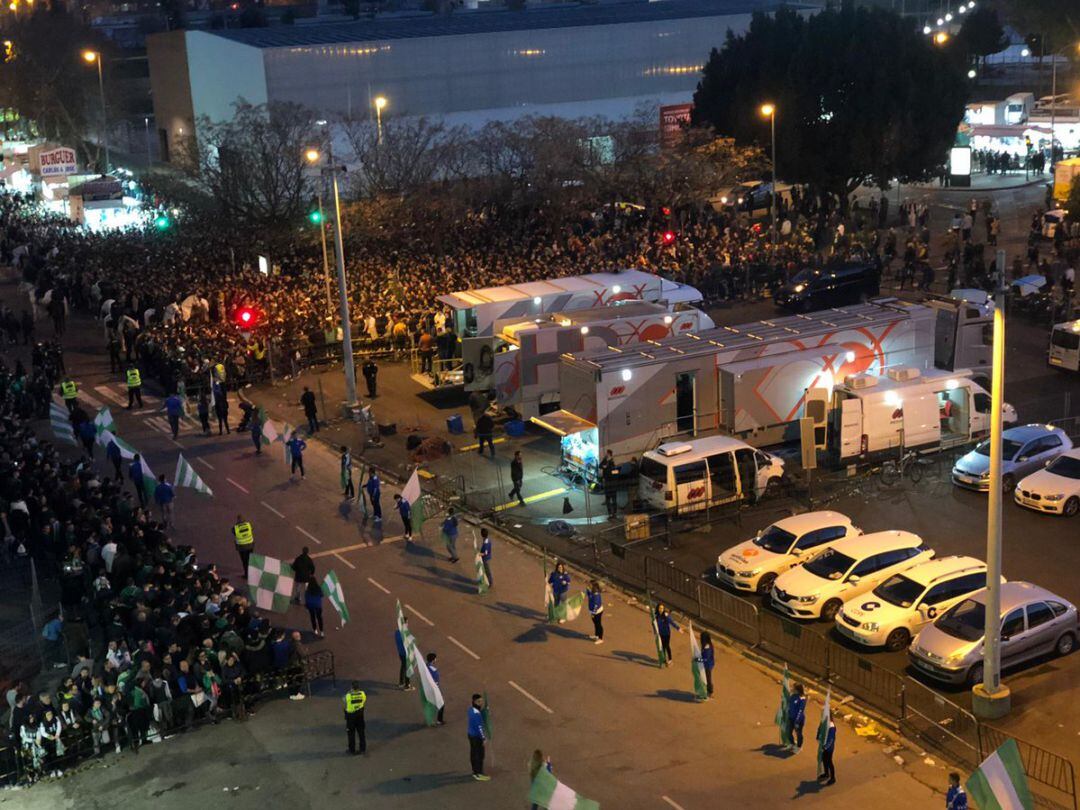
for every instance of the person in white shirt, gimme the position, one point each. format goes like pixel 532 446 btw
pixel 108 552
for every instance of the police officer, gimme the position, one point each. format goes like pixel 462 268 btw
pixel 134 386
pixel 355 700
pixel 69 390
pixel 245 541
pixel 370 372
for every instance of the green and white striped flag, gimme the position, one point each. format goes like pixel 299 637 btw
pixel 1000 783
pixel 336 596
pixel 127 452
pixel 550 793
pixel 406 639
pixel 431 698
pixel 61 424
pixel 661 656
pixel 270 583
pixel 697 665
pixel 782 713
pixel 103 421
pixel 185 476
pixel 823 727
pixel 482 584
pixel 269 432
pixel 567 610
pixel 415 496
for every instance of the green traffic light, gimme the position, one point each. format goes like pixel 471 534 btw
pixel 161 222
pixel 315 217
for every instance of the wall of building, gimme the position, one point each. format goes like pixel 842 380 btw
pixel 222 72
pixel 173 111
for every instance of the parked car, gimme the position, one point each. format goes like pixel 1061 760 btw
pixel 1034 622
pixel 1024 449
pixel 1055 489
pixel 755 564
pixel 829 286
pixel 903 604
pixel 845 569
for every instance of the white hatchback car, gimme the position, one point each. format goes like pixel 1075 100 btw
pixel 754 565
pixel 846 569
pixel 1055 489
pixel 902 605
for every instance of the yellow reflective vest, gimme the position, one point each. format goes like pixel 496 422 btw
pixel 134 379
pixel 244 535
pixel 69 389
pixel 355 701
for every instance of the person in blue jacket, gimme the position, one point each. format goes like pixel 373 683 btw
pixel 174 409
pixel 297 446
pixel 256 433
pixel 956 798
pixel 88 435
pixel 485 555
pixel 373 487
pixel 113 454
pixel 477 738
pixel 135 473
pixel 450 534
pixel 560 584
pixel 404 509
pixel 434 670
pixel 163 497
pixel 399 641
pixel 708 660
pixel 796 717
pixel 596 610
pixel 664 625
pixel 828 772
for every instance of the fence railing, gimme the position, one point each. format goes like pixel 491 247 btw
pixel 1051 777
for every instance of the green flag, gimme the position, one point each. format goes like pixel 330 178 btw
pixel 185 476
pixel 407 640
pixel 697 666
pixel 431 699
pixel 270 582
pixel 482 584
pixel 415 496
pixel 548 792
pixel 782 712
pixel 336 596
pixel 1000 783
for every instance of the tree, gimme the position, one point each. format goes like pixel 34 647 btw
pixel 412 154
pixel 861 96
pixel 1057 19
pixel 982 35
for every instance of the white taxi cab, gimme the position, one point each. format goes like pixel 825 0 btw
pixel 846 569
pixel 902 605
pixel 754 565
pixel 1054 489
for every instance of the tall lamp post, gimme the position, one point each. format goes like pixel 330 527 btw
pixel 92 57
pixel 769 111
pixel 380 102
pixel 314 157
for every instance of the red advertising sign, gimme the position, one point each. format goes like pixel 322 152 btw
pixel 674 119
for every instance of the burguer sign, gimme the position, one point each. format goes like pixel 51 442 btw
pixel 56 162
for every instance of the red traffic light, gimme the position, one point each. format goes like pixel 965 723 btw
pixel 246 317
pixel 668 237
pixel 665 211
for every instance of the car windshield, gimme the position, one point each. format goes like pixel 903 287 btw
pixel 1066 467
pixel 775 539
pixel 1009 448
pixel 653 470
pixel 899 590
pixel 830 564
pixel 965 621
pixel 804 275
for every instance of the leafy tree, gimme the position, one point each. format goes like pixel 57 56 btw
pixel 981 34
pixel 861 96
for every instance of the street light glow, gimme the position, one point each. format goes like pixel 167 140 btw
pixel 971 73
pixel 89 56
pixel 768 110
pixel 940 38
pixel 927 29
pixel 380 102
pixel 312 155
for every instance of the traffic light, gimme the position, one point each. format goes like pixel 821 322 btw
pixel 315 217
pixel 667 237
pixel 162 221
pixel 247 317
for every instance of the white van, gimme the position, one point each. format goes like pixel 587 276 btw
pixel 690 476
pixel 905 407
pixel 1065 346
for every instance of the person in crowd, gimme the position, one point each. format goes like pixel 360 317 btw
pixel 665 623
pixel 296 446
pixel 828 770
pixel 796 717
pixel 311 413
pixel 595 598
pixel 955 797
pixel 355 701
pixel 708 661
pixel 485 555
pixel 517 477
pixel 405 512
pixel 373 487
pixel 477 737
pixel 434 672
pixel 348 490
pixel 559 580
pixel 404 681
pixel 313 601
pixel 449 533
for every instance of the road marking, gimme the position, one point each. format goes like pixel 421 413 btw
pixel 331 551
pixel 530 697
pixel 154 425
pixel 551 493
pixel 420 615
pixel 205 462
pixel 467 447
pixel 272 509
pixel 237 486
pixel 353 567
pixel 110 395
pixel 306 533
pixel 174 441
pixel 377 585
pixel 463 647
pixel 673 803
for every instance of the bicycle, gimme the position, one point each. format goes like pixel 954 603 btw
pixel 909 464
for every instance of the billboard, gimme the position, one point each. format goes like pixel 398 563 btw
pixel 674 118
pixel 58 162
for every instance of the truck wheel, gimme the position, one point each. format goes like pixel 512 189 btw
pixel 830 609
pixel 898 639
pixel 1072 506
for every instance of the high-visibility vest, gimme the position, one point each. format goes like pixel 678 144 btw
pixel 220 369
pixel 354 701
pixel 69 389
pixel 243 533
pixel 134 380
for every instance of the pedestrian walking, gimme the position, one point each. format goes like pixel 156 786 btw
pixel 136 473
pixel 113 454
pixel 596 610
pixel 536 762
pixel 559 580
pixel 434 670
pixel 355 700
pixel 88 436
pixel 477 738
pixel 955 797
pixel 828 770
pixel 708 661
pixel 163 497
pixel 221 408
pixel 174 409
pixel 485 433
pixel 405 510
pixel 69 391
pixel 373 487
pixel 664 625
pixel 485 555
pixel 370 372
pixel 450 534
pixel 796 717
pixel 203 409
pixel 297 446
pixel 517 476
pixel 348 490
pixel 245 542
pixel 404 682
pixel 255 429
pixel 609 472
pixel 303 570
pixel 313 600
pixel 307 402
pixel 134 386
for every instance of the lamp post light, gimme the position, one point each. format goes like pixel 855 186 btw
pixel 380 102
pixel 769 111
pixel 314 157
pixel 92 57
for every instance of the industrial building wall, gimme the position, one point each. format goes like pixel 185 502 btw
pixel 171 89
pixel 222 72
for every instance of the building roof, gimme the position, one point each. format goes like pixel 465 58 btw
pixel 493 21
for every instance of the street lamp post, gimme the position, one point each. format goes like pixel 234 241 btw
pixel 313 157
pixel 95 57
pixel 769 110
pixel 380 102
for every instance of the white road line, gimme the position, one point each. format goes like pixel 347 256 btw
pixel 155 426
pixel 237 486
pixel 272 509
pixel 530 697
pixel 353 567
pixel 174 441
pixel 463 647
pixel 377 585
pixel 110 395
pixel 420 615
pixel 307 534
pixel 206 463
pixel 673 803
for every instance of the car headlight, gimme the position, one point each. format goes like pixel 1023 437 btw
pixel 808 600
pixel 800 287
pixel 871 627
pixel 748 574
pixel 1057 497
pixel 954 660
pixel 985 474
